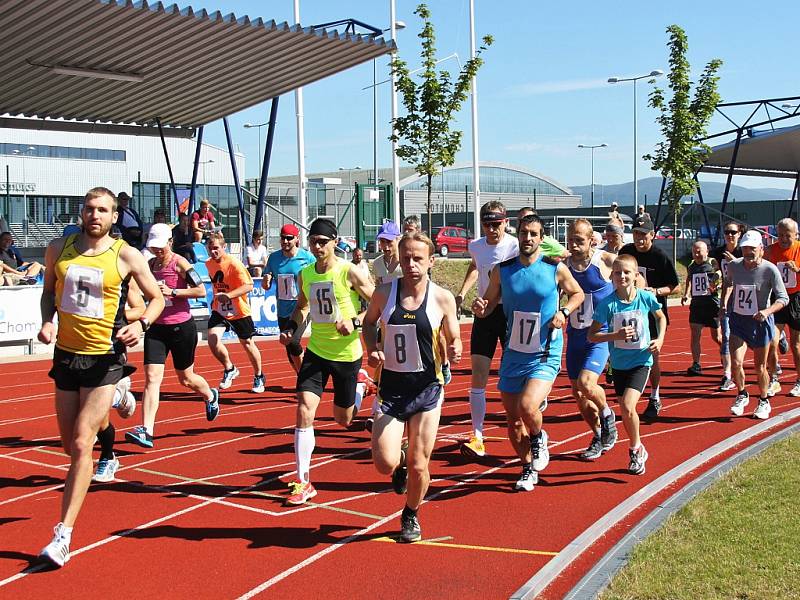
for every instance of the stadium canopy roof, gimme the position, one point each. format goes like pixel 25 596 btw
pixel 124 62
pixel 767 153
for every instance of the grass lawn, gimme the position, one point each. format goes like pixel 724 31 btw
pixel 738 539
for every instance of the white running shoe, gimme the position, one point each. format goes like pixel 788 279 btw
pixel 763 409
pixel 795 391
pixel 741 402
pixel 527 480
pixel 774 388
pixel 543 405
pixel 127 406
pixel 228 377
pixel 541 455
pixel 106 469
pixel 57 551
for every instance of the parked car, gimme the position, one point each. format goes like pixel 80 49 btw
pixel 450 239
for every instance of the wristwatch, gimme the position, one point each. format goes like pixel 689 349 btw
pixel 144 323
pixel 356 322
pixel 564 311
pixel 174 293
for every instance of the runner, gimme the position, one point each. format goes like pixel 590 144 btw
pixel 411 224
pixel 703 285
pixel 86 281
pixel 387 267
pixel 412 311
pixel 173 333
pixel 614 235
pixel 659 277
pixel 724 254
pixel 283 266
pixel 591 268
pixel 496 246
pixel 631 347
pixel 529 287
pixel 785 254
pixel 230 310
pixel 334 348
pixel 549 246
pixel 747 289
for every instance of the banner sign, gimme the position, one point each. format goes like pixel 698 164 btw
pixel 20 317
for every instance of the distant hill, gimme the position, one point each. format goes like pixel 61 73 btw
pixel 622 193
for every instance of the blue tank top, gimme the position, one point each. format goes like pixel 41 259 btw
pixel 595 287
pixel 530 300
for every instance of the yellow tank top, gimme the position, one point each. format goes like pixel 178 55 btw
pixel 329 300
pixel 90 299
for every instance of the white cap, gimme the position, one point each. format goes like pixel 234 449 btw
pixel 159 236
pixel 751 238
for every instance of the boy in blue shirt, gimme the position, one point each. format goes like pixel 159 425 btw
pixel 625 313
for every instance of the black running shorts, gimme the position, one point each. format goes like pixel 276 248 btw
pixel 704 310
pixel 404 406
pixel 790 314
pixel 487 331
pixel 74 371
pixel 180 340
pixel 243 328
pixel 635 379
pixel 314 374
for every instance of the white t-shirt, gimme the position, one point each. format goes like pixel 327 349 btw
pixel 381 272
pixel 256 256
pixel 487 256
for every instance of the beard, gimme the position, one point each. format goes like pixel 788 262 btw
pixel 98 233
pixel 528 251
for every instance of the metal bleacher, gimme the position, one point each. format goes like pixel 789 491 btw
pixel 38 235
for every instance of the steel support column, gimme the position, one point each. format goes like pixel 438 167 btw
pixel 169 166
pixel 735 155
pixel 262 185
pixel 239 195
pixel 195 168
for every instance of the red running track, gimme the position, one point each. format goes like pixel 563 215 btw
pixel 202 515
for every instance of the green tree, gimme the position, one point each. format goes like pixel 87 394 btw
pixel 425 139
pixel 684 121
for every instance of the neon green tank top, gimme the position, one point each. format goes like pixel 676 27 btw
pixel 329 300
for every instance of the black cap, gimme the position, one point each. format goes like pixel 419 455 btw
pixel 643 223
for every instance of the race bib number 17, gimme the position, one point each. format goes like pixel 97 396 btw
pixel 525 336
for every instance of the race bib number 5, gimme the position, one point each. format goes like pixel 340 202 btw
pixel 322 302
pixel 525 332
pixel 287 287
pixel 636 320
pixel 83 292
pixel 401 349
pixel 745 301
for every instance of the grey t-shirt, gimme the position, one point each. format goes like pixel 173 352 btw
pixel 764 280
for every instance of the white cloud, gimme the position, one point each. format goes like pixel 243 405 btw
pixel 554 87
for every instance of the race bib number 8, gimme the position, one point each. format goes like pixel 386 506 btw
pixel 525 332
pixel 582 318
pixel 636 320
pixel 401 349
pixel 700 285
pixel 83 292
pixel 745 301
pixel 322 302
pixel 287 287
pixel 789 277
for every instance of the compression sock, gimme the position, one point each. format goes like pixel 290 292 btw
pixel 606 411
pixel 106 439
pixel 360 389
pixel 303 448
pixel 477 409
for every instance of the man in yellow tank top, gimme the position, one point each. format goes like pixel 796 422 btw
pixel 86 282
pixel 334 348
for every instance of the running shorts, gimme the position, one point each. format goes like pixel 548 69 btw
pixel 74 371
pixel 487 331
pixel 633 379
pixel 179 339
pixel 243 328
pixel 753 333
pixel 583 355
pixel 314 374
pixel 403 407
pixel 790 314
pixel 704 310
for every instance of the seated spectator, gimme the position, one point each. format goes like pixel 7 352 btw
pixel 183 238
pixel 13 264
pixel 129 223
pixel 202 221
pixel 257 255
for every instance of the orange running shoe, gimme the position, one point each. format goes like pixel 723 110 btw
pixel 300 493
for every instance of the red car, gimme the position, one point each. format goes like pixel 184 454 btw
pixel 450 239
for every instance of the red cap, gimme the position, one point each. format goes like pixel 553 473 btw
pixel 290 229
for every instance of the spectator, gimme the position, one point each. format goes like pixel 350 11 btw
pixel 257 254
pixel 182 239
pixel 640 213
pixel 613 212
pixel 411 224
pixel 14 267
pixel 202 221
pixel 129 223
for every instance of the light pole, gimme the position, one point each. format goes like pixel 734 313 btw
pixel 205 185
pixel 592 147
pixel 653 73
pixel 349 187
pixel 260 158
pixel 21 154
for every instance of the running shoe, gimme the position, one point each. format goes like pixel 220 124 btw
pixel 774 387
pixel 795 391
pixel 608 431
pixel 763 409
pixel 638 458
pixel 140 437
pixel 540 452
pixel 410 531
pixel 474 448
pixel 609 375
pixel 300 493
pixel 369 424
pixel 57 551
pixel 228 375
pixel 447 375
pixel 595 449
pixel 400 474
pixel 258 384
pixel 363 377
pixel 778 369
pixel 527 479
pixel 212 405
pixel 726 383
pixel 543 405
pixel 124 401
pixel 653 408
pixel 783 343
pixel 741 402
pixel 694 370
pixel 106 469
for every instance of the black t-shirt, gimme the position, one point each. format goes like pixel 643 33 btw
pixel 658 269
pixel 719 254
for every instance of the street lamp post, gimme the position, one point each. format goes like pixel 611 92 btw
pixel 592 147
pixel 205 185
pixel 259 126
pixel 349 187
pixel 653 73
pixel 26 217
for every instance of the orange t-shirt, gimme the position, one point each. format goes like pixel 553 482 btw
pixel 226 275
pixel 778 256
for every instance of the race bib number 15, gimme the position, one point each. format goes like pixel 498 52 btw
pixel 322 302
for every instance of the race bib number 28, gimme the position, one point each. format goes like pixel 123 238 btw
pixel 700 285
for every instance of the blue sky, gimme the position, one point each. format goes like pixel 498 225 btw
pixel 543 89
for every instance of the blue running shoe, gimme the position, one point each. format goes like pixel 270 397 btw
pixel 140 437
pixel 446 374
pixel 258 384
pixel 212 406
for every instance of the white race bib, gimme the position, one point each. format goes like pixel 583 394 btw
pixel 789 277
pixel 724 264
pixel 637 320
pixel 582 318
pixel 83 291
pixel 525 334
pixel 401 349
pixel 167 299
pixel 287 286
pixel 700 285
pixel 745 301
pixel 227 308
pixel 643 273
pixel 322 302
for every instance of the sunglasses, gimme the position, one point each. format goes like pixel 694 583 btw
pixel 319 241
pixel 731 231
pixel 287 238
pixel 493 224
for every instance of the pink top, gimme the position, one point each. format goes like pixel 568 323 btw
pixel 176 310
